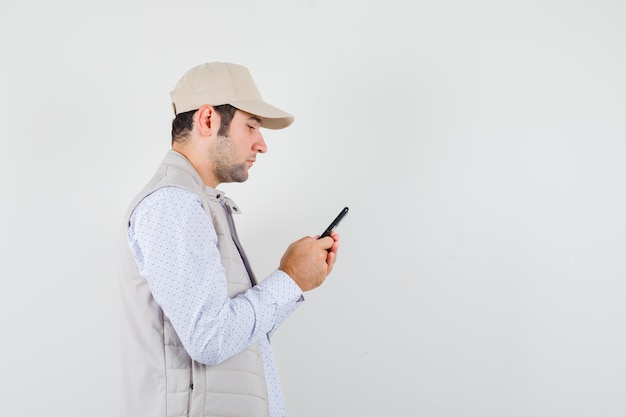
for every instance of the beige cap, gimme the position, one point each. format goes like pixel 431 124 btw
pixel 218 83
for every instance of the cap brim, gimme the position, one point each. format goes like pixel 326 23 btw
pixel 273 117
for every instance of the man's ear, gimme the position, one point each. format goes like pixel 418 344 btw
pixel 207 120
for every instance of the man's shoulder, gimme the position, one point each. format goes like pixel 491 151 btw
pixel 170 194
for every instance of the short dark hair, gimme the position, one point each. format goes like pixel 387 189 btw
pixel 183 122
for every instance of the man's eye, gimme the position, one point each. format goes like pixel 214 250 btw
pixel 251 127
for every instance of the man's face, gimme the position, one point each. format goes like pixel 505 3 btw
pixel 235 152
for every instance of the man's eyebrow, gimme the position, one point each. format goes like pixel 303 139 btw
pixel 256 119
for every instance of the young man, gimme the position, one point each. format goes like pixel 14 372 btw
pixel 196 323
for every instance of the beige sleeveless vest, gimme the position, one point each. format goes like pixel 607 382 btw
pixel 159 377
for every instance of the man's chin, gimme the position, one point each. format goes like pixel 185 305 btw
pixel 239 176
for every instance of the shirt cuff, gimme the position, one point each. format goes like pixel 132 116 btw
pixel 287 296
pixel 282 288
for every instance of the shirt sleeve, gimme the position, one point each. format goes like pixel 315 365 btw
pixel 175 247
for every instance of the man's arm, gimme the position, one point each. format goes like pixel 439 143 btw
pixel 175 247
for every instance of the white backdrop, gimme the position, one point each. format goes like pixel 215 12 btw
pixel 480 146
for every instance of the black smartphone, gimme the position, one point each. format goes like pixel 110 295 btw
pixel 334 223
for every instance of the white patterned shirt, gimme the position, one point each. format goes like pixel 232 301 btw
pixel 175 247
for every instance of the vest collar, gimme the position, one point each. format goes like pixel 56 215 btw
pixel 177 159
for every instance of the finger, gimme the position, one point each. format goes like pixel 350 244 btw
pixel 335 246
pixel 330 261
pixel 326 243
pixel 336 239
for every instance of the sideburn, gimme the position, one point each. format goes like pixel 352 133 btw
pixel 226 112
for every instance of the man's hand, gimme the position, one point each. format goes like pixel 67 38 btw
pixel 308 261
